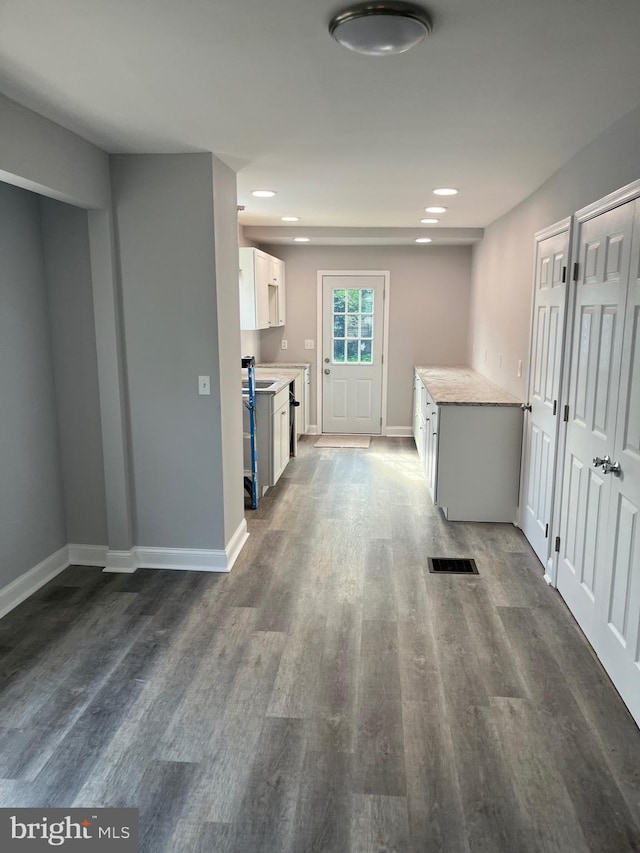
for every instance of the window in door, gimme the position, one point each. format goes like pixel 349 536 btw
pixel 352 326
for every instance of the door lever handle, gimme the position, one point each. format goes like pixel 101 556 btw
pixel 608 467
pixel 612 468
pixel 526 407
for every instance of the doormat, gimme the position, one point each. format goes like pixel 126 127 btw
pixel 343 441
pixel 452 566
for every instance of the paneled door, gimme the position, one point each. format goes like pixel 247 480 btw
pixel 541 421
pixel 352 325
pixel 618 588
pixel 603 256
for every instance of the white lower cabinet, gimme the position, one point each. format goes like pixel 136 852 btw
pixel 281 443
pixel 272 437
pixel 306 415
pixel 470 452
pixel 301 390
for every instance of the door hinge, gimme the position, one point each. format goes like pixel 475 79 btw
pixel 556 547
pixel 546 531
pixel 576 266
pixel 564 274
pixel 555 406
pixel 382 359
pixel 565 417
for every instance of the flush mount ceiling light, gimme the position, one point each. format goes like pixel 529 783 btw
pixel 423 239
pixel 445 191
pixel 435 209
pixel 429 221
pixel 290 218
pixel 263 193
pixel 381 28
pixel 300 239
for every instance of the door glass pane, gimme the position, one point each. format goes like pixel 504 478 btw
pixel 352 319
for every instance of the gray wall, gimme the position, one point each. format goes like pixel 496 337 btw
pixel 503 261
pixel 38 154
pixel 65 235
pixel 428 310
pixel 32 523
pixel 165 232
pixel 44 157
pixel 225 200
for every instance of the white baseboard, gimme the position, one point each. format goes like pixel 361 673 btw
pixel 88 555
pixel 121 561
pixel 313 430
pixel 182 559
pixel 21 588
pixel 399 432
pixel 236 544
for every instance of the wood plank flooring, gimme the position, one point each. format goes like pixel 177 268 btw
pixel 329 694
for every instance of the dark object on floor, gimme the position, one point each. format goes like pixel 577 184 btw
pixel 452 566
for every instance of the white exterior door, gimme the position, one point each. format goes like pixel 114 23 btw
pixel 352 324
pixel 541 423
pixel 599 560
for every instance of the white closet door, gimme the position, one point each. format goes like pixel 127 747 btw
pixel 618 591
pixel 541 423
pixel 601 292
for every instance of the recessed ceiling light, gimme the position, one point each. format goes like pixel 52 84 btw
pixel 290 218
pixel 445 191
pixel 381 28
pixel 300 239
pixel 423 239
pixel 429 221
pixel 435 209
pixel 263 193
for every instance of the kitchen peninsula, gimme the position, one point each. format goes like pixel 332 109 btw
pixel 468 432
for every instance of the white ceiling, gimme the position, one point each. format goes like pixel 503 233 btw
pixel 500 95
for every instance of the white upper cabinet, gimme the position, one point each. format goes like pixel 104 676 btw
pixel 262 295
pixel 277 292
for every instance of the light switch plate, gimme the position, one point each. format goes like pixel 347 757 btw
pixel 284 344
pixel 309 344
pixel 204 386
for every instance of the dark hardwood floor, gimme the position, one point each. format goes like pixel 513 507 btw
pixel 329 694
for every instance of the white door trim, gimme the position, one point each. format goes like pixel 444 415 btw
pixel 615 199
pixel 385 339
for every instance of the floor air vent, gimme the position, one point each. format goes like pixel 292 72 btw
pixel 452 566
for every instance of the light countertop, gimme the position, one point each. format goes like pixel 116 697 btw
pixel 291 365
pixel 280 378
pixel 461 386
